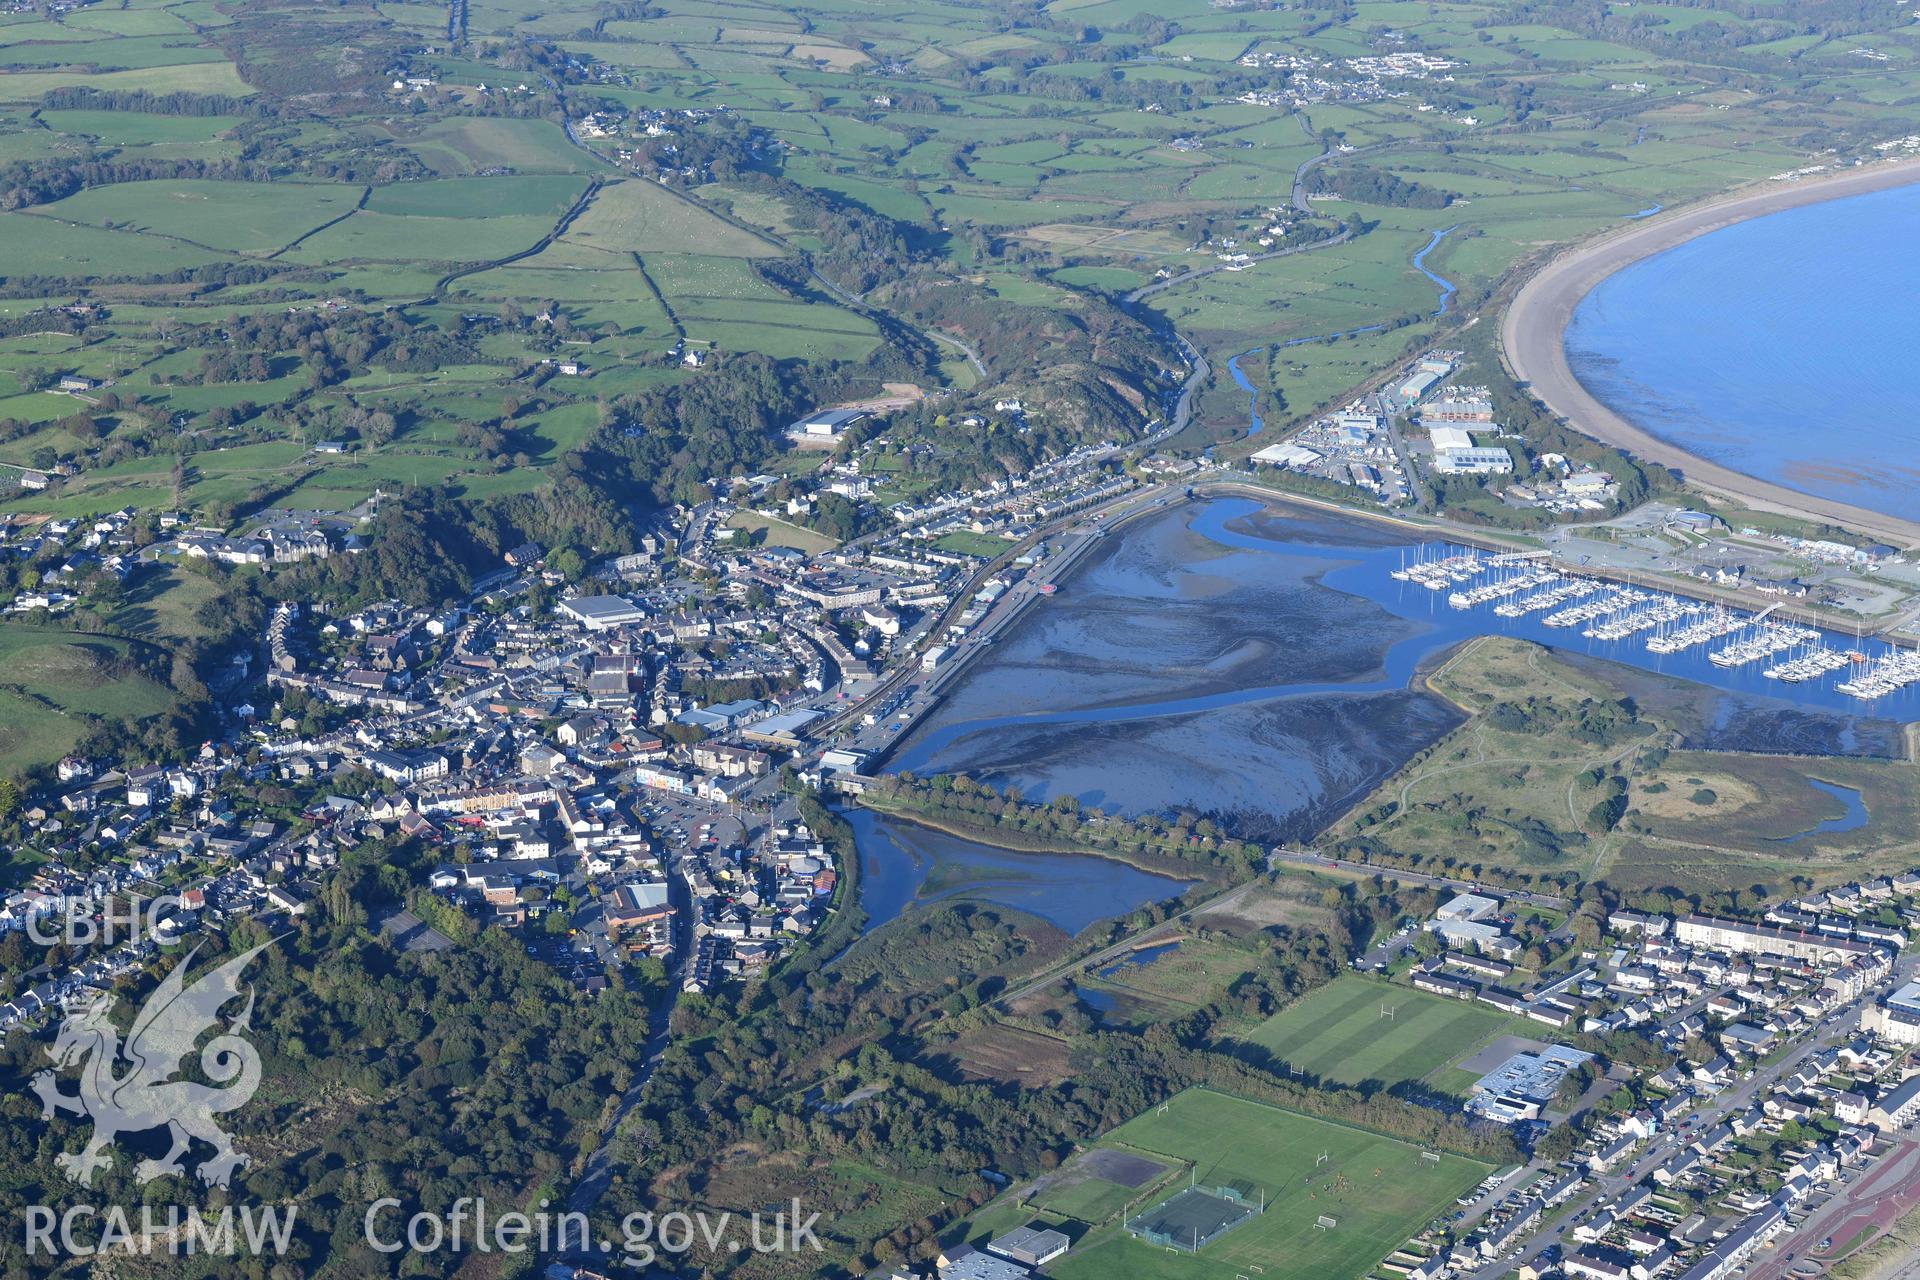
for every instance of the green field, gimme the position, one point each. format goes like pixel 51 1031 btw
pixel 1377 1189
pixel 55 684
pixel 643 217
pixel 32 244
pixel 386 237
pixel 1339 1034
pixel 539 196
pixel 967 543
pixel 193 77
pixel 464 146
pixel 239 217
pixel 770 532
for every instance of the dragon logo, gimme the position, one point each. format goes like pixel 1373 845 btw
pixel 146 1096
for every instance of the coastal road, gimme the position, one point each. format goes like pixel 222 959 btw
pixel 1532 334
pixel 1872 1199
pixel 877 741
pixel 1118 510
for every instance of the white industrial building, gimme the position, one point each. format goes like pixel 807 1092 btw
pixel 1522 1086
pixel 1420 382
pixel 603 613
pixel 826 424
pixel 1467 906
pixel 1475 461
pixel 1299 457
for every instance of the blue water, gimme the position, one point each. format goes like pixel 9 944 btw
pixel 1366 572
pixel 1852 819
pixel 1070 891
pixel 1782 347
pixel 1140 957
pixel 1647 212
pixel 1241 380
pixel 1447 289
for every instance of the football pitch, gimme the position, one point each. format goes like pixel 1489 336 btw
pixel 1296 1171
pixel 1340 1034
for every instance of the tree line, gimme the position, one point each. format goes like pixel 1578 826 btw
pixel 1182 840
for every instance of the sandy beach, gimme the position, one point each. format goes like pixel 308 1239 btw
pixel 1534 327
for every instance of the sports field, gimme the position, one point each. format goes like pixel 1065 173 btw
pixel 1295 1170
pixel 1339 1034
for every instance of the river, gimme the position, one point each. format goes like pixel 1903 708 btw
pixel 902 864
pixel 1258 665
pixel 1780 347
pixel 1444 303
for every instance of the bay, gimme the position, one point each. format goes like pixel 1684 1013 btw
pixel 1781 347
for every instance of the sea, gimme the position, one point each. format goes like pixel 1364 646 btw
pixel 1782 347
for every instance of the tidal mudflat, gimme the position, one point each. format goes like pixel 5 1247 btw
pixel 1176 671
pixel 1259 665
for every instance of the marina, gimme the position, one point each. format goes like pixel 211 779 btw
pixel 1885 675
pixel 1662 623
pixel 1261 663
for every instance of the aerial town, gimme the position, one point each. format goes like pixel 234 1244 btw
pixel 606 768
pixel 1059 640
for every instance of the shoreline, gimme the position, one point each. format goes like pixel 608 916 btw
pixel 1533 341
pixel 1170 869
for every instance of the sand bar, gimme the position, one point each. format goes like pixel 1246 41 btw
pixel 1533 334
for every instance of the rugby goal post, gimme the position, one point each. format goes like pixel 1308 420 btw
pixel 1321 1159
